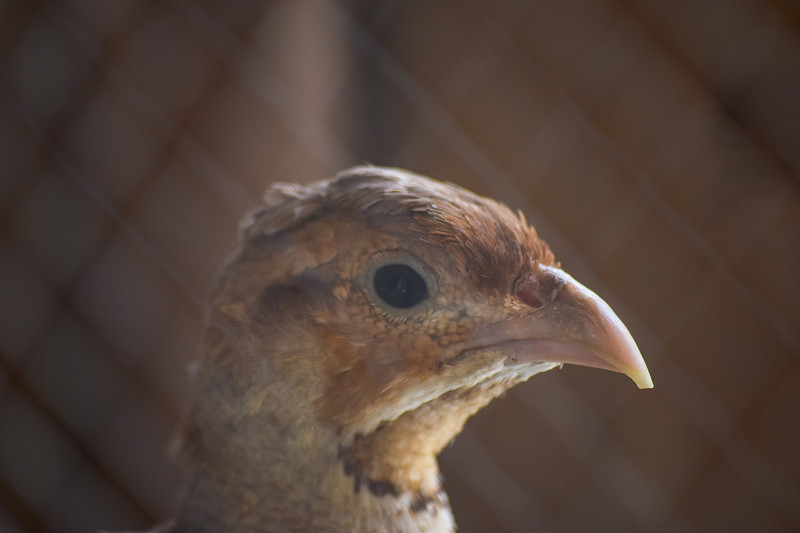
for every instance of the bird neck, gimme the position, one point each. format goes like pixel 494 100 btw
pixel 263 461
pixel 264 458
pixel 303 479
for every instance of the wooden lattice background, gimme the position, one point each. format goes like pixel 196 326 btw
pixel 654 143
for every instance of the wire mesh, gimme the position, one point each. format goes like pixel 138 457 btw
pixel 653 144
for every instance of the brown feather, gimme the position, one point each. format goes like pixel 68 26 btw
pixel 321 408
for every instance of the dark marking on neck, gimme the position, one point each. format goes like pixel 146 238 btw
pixel 352 468
pixel 381 487
pixel 421 503
pixel 429 502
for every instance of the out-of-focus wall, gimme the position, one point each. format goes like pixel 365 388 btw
pixel 655 145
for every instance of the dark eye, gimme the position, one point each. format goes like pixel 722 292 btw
pixel 400 286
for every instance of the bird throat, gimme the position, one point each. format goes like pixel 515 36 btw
pixel 400 456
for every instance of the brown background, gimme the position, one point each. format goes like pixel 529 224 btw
pixel 655 144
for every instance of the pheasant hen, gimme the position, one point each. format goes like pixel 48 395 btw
pixel 360 323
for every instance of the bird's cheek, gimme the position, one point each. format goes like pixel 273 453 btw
pixel 423 347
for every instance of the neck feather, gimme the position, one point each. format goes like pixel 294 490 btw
pixel 256 467
pixel 263 460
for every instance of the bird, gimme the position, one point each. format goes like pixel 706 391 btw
pixel 358 325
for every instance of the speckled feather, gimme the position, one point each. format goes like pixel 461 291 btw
pixel 319 408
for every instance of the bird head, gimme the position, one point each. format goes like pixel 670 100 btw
pixel 383 308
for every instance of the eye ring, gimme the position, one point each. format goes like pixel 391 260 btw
pixel 399 283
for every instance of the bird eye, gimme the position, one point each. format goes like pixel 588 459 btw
pixel 399 285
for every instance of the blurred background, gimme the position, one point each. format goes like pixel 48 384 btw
pixel 654 144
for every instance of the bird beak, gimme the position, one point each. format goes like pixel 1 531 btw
pixel 566 323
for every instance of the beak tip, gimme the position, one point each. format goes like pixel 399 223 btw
pixel 643 380
pixel 638 373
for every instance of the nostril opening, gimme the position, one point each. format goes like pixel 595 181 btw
pixel 529 298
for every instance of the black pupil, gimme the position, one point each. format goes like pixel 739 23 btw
pixel 400 286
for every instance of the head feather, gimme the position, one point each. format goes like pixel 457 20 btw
pixel 488 240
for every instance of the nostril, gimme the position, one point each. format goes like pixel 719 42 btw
pixel 529 298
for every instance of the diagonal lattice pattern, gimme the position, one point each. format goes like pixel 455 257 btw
pixel 654 144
